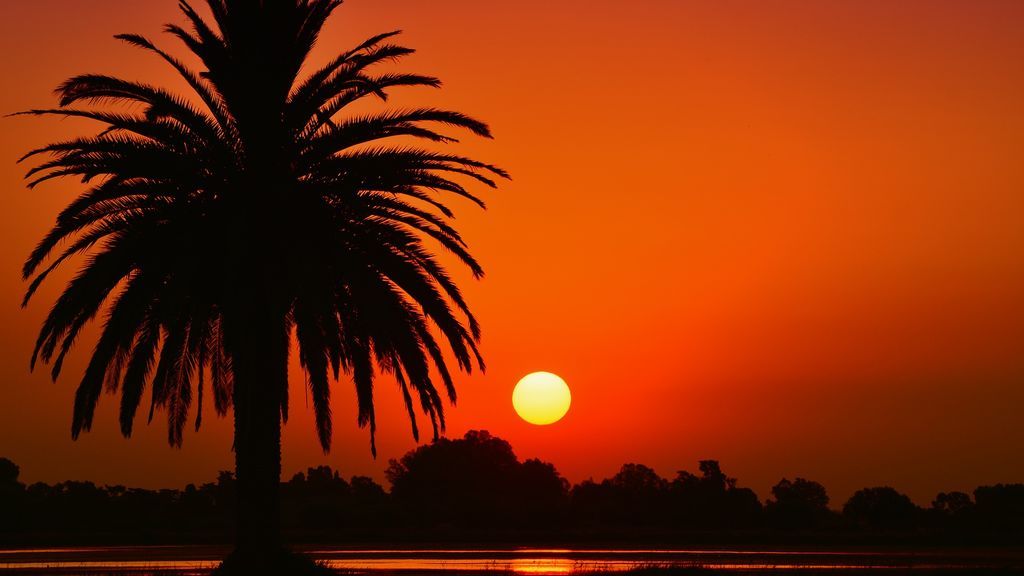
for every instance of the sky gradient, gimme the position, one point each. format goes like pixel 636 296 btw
pixel 787 235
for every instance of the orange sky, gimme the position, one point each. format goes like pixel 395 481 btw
pixel 786 235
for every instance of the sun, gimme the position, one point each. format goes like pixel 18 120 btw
pixel 541 398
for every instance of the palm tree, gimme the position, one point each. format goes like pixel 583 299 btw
pixel 220 225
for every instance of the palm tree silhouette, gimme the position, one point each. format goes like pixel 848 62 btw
pixel 219 225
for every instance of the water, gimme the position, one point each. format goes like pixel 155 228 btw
pixel 198 560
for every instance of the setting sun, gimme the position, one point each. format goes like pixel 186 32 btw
pixel 541 398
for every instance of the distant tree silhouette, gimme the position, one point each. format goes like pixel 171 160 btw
pixel 952 512
pixel 11 496
pixel 1000 508
pixel 320 502
pixel 474 488
pixel 544 495
pixel 219 224
pixel 370 508
pixel 798 505
pixel 638 496
pixel 712 500
pixel 635 496
pixel 74 504
pixel 316 500
pixel 590 503
pixel 952 503
pixel 881 508
pixel 9 472
pixel 476 482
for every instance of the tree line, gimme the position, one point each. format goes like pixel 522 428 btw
pixel 476 488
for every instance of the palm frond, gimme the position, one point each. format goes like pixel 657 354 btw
pixel 258 177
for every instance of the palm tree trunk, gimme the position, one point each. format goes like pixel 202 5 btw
pixel 258 344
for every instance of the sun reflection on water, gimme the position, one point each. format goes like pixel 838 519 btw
pixel 543 566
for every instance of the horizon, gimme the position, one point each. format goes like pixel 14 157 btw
pixel 769 239
pixel 834 504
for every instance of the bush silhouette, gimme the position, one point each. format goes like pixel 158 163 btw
pixel 476 481
pixel 881 508
pixel 712 500
pixel 798 505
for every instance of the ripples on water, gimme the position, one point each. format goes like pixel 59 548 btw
pixel 198 561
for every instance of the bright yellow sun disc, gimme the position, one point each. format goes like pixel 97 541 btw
pixel 541 398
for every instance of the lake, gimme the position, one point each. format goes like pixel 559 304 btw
pixel 198 560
